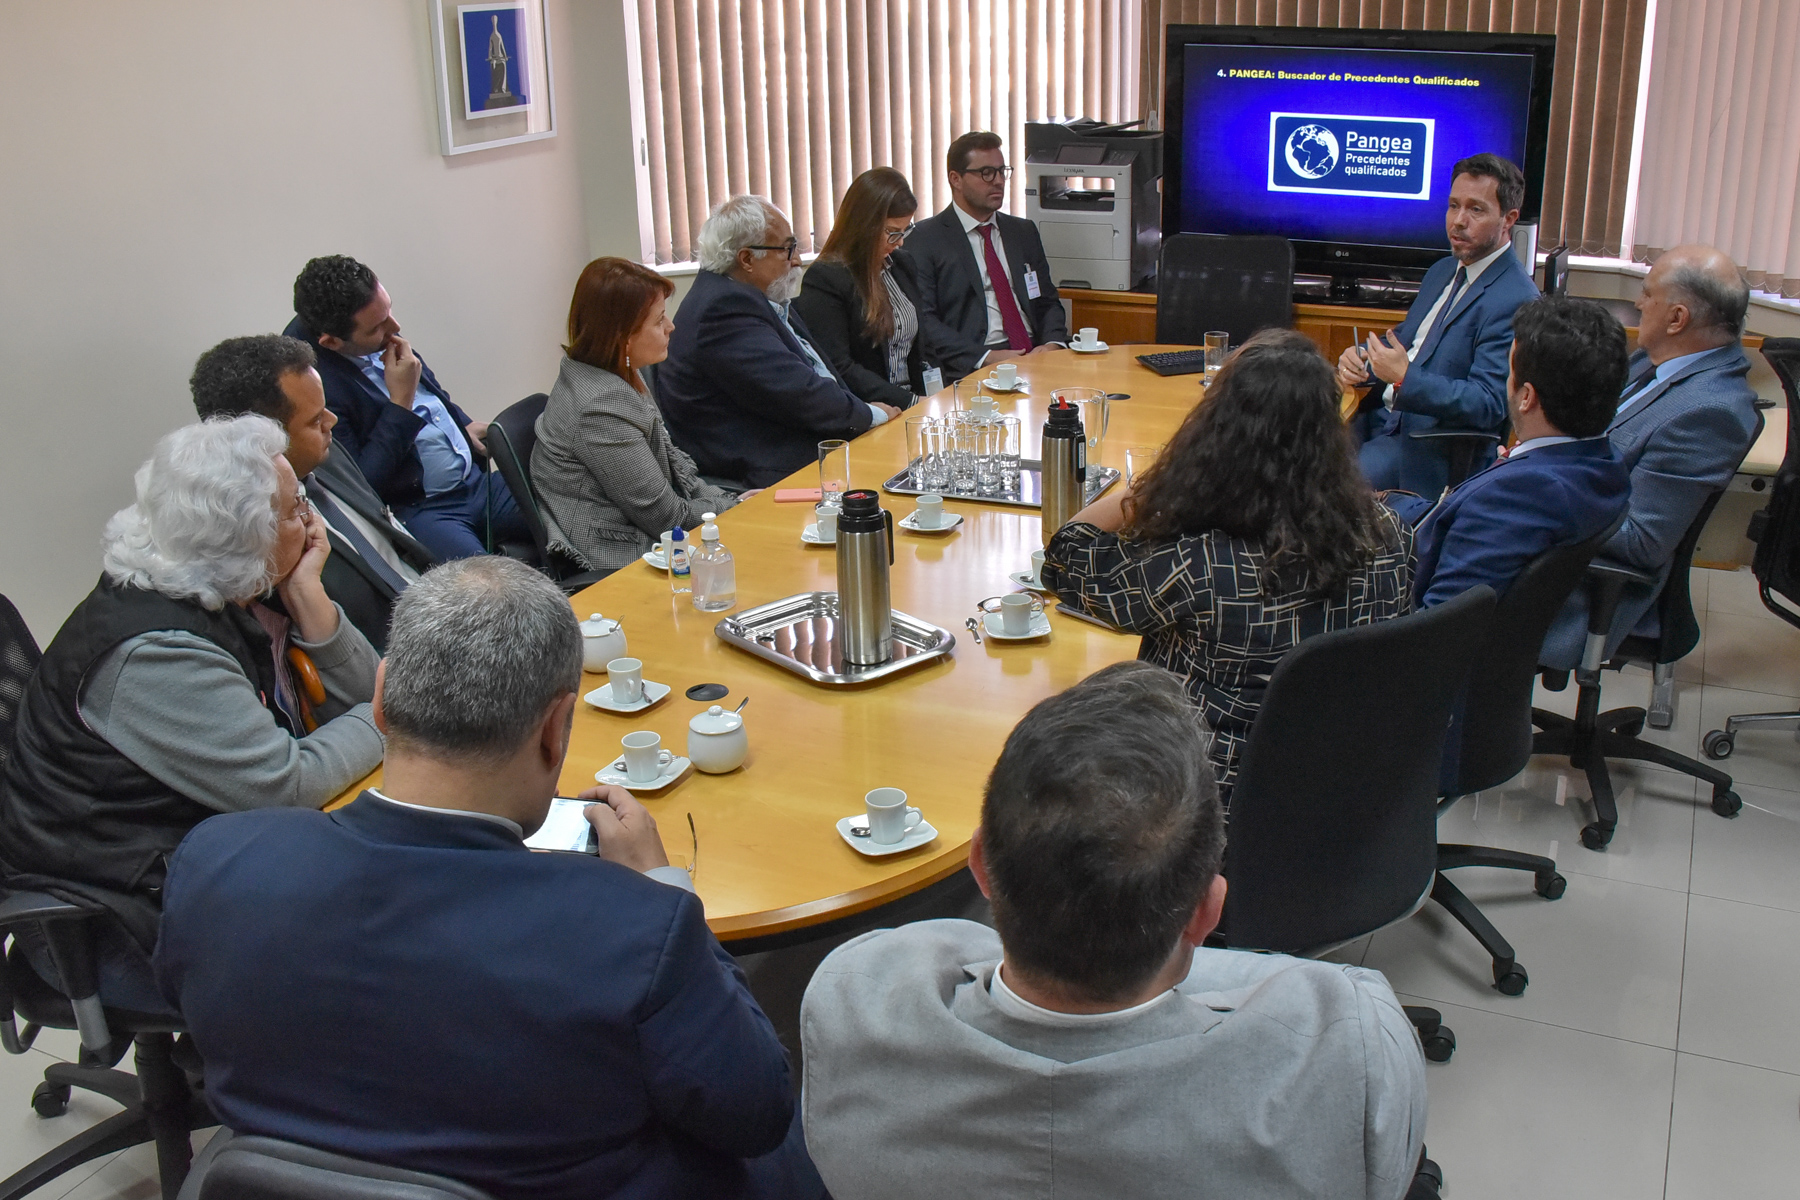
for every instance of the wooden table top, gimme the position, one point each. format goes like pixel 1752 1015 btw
pixel 770 858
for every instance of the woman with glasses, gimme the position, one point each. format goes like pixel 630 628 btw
pixel 173 693
pixel 861 298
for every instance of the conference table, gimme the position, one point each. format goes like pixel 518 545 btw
pixel 769 858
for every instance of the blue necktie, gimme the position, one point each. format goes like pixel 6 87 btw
pixel 1443 314
pixel 346 528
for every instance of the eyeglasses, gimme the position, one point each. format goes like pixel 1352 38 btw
pixel 989 174
pixel 694 858
pixel 302 506
pixel 896 236
pixel 787 248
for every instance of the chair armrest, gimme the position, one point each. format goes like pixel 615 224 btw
pixel 1472 435
pixel 1606 584
pixel 67 929
pixel 39 906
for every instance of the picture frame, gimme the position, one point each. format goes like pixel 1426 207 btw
pixel 495 82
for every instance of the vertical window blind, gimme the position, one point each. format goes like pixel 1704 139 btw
pixel 1593 102
pixel 792 99
pixel 1721 156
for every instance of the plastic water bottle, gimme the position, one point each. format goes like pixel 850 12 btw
pixel 715 574
pixel 675 548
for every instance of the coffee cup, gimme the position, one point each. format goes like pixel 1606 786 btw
pixel 825 517
pixel 929 513
pixel 1087 337
pixel 1037 566
pixel 890 820
pixel 1015 614
pixel 645 758
pixel 1006 376
pixel 625 676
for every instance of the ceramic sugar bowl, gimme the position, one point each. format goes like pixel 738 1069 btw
pixel 716 741
pixel 602 640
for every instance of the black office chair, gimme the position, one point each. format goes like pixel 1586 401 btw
pixel 1491 741
pixel 511 437
pixel 159 1105
pixel 1556 272
pixel 1775 529
pixel 1333 830
pixel 1591 736
pixel 1237 284
pixel 1463 449
pixel 236 1167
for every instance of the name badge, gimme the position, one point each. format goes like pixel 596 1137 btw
pixel 1032 291
pixel 934 381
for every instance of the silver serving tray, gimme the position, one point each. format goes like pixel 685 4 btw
pixel 800 635
pixel 1029 493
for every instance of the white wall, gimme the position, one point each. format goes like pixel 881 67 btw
pixel 166 169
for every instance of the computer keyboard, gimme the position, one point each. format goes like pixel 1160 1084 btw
pixel 1175 362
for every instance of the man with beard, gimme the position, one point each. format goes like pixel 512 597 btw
pixel 743 390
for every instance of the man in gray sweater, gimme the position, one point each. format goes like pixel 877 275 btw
pixel 1093 1048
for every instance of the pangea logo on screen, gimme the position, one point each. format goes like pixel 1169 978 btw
pixel 1350 156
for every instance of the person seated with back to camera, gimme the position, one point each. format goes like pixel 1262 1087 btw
pixel 1253 530
pixel 1088 1045
pixel 168 695
pixel 373 556
pixel 744 390
pixel 402 981
pixel 1560 484
pixel 604 465
pixel 861 297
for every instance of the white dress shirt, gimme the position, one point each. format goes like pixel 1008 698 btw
pixel 1471 273
pixel 1015 1005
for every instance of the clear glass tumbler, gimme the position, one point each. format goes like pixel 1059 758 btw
pixel 834 470
pixel 1011 430
pixel 1218 345
pixel 964 439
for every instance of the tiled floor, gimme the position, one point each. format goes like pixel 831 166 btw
pixel 1657 1050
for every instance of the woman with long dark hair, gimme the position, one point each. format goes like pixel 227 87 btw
pixel 1253 530
pixel 860 298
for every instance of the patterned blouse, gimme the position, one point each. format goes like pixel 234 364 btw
pixel 1199 604
pixel 906 328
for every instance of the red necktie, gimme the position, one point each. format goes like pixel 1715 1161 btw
pixel 1017 336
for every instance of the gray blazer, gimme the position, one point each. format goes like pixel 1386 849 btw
pixel 1682 440
pixel 607 472
pixel 1263 1076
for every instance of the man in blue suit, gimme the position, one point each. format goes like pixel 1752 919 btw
pixel 402 981
pixel 418 450
pixel 1561 483
pixel 743 390
pixel 1445 367
pixel 1684 421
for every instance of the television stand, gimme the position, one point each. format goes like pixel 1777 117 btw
pixel 1126 317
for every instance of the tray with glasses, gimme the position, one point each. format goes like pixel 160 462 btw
pixel 799 634
pixel 1024 490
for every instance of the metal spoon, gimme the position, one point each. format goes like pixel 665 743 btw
pixel 974 627
pixel 741 703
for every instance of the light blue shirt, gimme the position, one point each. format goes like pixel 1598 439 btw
pixel 818 364
pixel 444 455
pixel 1663 371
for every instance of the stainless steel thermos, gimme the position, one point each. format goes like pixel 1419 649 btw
pixel 1064 478
pixel 865 551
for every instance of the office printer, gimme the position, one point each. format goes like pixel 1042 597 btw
pixel 1092 188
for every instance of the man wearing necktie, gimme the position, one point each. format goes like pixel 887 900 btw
pixel 1445 366
pixel 1685 419
pixel 983 277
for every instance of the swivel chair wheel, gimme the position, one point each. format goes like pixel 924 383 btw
pixel 1552 886
pixel 1718 744
pixel 1726 802
pixel 1440 1045
pixel 50 1099
pixel 1594 837
pixel 1510 979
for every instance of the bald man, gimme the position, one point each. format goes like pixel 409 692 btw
pixel 1685 421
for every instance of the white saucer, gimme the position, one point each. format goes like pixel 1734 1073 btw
pixel 1020 386
pixel 991 626
pixel 911 521
pixel 1096 348
pixel 615 775
pixel 655 559
pixel 810 535
pixel 917 836
pixel 601 697
pixel 1025 580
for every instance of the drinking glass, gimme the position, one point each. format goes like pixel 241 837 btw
pixel 1138 460
pixel 962 439
pixel 986 438
pixel 1095 410
pixel 834 470
pixel 918 447
pixel 1010 432
pixel 1218 344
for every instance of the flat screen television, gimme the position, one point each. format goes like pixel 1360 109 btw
pixel 1342 140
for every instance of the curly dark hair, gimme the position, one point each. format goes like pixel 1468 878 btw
pixel 330 291
pixel 1573 352
pixel 243 375
pixel 1265 457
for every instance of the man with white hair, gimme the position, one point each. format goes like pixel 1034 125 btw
pixel 744 391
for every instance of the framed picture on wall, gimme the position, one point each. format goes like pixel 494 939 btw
pixel 494 80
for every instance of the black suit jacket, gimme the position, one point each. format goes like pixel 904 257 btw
pixel 739 394
pixel 832 304
pixel 364 594
pixel 955 304
pixel 374 430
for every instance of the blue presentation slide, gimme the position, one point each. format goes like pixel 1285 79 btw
pixel 1340 145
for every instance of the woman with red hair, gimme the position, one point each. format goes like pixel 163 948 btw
pixel 604 466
